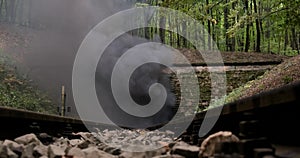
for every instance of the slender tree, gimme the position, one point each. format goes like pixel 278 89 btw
pixel 247 42
pixel 257 23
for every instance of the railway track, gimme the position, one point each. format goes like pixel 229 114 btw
pixel 275 112
pixel 15 122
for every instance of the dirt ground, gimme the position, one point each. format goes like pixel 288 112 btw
pixel 235 57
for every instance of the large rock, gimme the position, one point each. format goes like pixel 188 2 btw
pixel 55 151
pixel 208 146
pixel 28 150
pixel 75 142
pixel 5 152
pixel 84 144
pixel 27 139
pixel 15 147
pixel 84 135
pixel 102 146
pixel 62 143
pixel 11 154
pixel 112 150
pixel 45 138
pixel 75 152
pixel 94 152
pixel 40 150
pixel 91 137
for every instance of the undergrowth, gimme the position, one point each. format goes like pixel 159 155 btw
pixel 17 91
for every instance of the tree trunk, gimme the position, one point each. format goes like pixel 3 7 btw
pixel 286 39
pixel 29 21
pixel 146 32
pixel 203 32
pixel 6 11
pixel 184 32
pixel 248 26
pixel 247 42
pixel 226 26
pixel 260 10
pixel 257 22
pixel 252 31
pixel 218 28
pixel 233 39
pixel 203 35
pixel 268 33
pixel 162 31
pixel 196 32
pixel 213 31
pixel 298 36
pixel 171 33
pixel 1 5
pixel 279 44
pixel 208 27
pixel 162 24
pixel 294 41
pixel 178 36
pixel 11 8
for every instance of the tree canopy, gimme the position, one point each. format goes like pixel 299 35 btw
pixel 240 25
pixel 271 26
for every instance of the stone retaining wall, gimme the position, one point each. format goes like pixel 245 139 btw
pixel 235 76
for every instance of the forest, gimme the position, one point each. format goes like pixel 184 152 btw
pixel 269 26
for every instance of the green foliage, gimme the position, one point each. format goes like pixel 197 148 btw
pixel 287 79
pixel 17 92
pixel 274 25
pixel 141 5
pixel 289 52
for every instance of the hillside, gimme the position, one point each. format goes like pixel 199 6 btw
pixel 283 74
pixel 18 92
